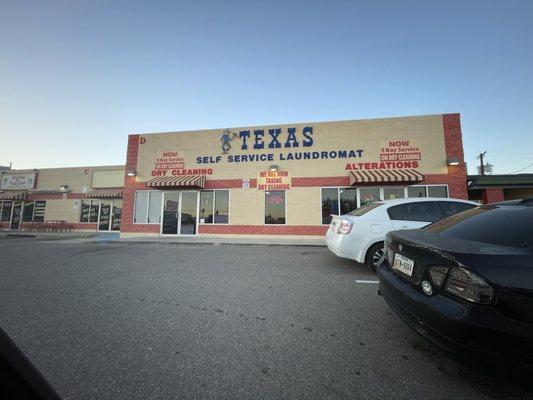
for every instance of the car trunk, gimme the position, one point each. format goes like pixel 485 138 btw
pixel 509 270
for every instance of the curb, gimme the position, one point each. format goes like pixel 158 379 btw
pixel 213 244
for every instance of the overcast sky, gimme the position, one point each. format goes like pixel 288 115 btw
pixel 76 77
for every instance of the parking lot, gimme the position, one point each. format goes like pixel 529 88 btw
pixel 114 320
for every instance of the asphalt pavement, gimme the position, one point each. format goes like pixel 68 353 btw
pixel 118 320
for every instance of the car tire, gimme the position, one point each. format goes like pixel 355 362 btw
pixel 374 254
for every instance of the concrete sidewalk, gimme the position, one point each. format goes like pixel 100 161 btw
pixel 113 237
pixel 218 240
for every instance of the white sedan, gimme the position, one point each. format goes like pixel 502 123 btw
pixel 360 234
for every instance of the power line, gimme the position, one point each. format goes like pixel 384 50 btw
pixel 520 170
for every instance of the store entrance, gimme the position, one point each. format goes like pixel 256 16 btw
pixel 180 212
pixel 16 216
pixel 109 216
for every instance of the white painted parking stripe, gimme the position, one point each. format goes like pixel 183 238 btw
pixel 363 281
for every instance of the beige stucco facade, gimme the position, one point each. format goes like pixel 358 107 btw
pixel 307 158
pixel 424 132
pixel 63 191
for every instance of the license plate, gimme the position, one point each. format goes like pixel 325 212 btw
pixel 403 264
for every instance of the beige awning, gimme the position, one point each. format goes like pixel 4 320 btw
pixel 115 193
pixel 184 181
pixel 13 195
pixel 385 176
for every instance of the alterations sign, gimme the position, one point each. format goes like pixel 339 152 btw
pixel 273 180
pixel 17 181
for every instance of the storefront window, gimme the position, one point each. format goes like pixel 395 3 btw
pixel 221 206
pixel 337 201
pixel 390 193
pixel 206 207
pixel 154 207
pixel 369 195
pixel 330 204
pixel 117 216
pixel 95 205
pixel 5 216
pixel 38 210
pixel 437 191
pixel 27 214
pixel 275 207
pixel 89 210
pixel 416 191
pixel 214 206
pixel 147 209
pixel 348 200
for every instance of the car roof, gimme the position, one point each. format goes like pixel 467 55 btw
pixel 393 202
pixel 528 201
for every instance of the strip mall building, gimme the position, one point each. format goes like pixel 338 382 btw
pixel 258 180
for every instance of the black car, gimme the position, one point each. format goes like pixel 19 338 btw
pixel 465 283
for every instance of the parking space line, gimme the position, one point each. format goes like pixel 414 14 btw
pixel 365 281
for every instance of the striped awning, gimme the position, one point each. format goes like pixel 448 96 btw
pixel 184 181
pixel 385 176
pixel 13 195
pixel 115 193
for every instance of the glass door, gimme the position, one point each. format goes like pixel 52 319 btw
pixel 116 217
pixel 180 213
pixel 104 220
pixel 16 216
pixel 169 224
pixel 188 213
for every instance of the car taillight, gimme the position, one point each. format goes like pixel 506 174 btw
pixel 468 285
pixel 345 227
pixel 462 283
pixel 438 274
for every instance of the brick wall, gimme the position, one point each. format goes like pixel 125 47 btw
pixel 453 140
pixel 492 195
pixel 263 229
pixel 455 179
pixel 130 185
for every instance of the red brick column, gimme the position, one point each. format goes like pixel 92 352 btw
pixel 453 141
pixel 492 195
pixel 126 224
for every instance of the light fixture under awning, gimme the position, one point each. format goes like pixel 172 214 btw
pixel 185 181
pixel 385 176
pixel 105 194
pixel 13 195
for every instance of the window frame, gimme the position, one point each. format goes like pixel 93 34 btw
pixel 2 208
pixel 381 193
pixel 90 205
pixel 264 207
pixel 147 211
pixel 32 211
pixel 358 202
pixel 434 202
pixel 214 203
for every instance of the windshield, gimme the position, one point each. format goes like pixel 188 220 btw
pixel 503 226
pixel 364 209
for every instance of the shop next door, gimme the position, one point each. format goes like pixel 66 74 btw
pixel 180 212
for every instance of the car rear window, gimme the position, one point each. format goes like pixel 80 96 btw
pixel 454 207
pixel 423 211
pixel 364 209
pixel 509 226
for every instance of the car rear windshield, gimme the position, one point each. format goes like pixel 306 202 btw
pixel 364 209
pixel 510 226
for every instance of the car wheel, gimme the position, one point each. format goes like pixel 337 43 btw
pixel 374 255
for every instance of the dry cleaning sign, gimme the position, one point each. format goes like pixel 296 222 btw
pixel 273 180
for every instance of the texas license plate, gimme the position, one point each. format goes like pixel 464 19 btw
pixel 403 264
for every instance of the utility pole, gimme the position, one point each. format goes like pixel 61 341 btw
pixel 481 164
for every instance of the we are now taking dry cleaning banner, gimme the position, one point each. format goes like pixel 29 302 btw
pixel 273 180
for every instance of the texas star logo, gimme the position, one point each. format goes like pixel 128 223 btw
pixel 226 138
